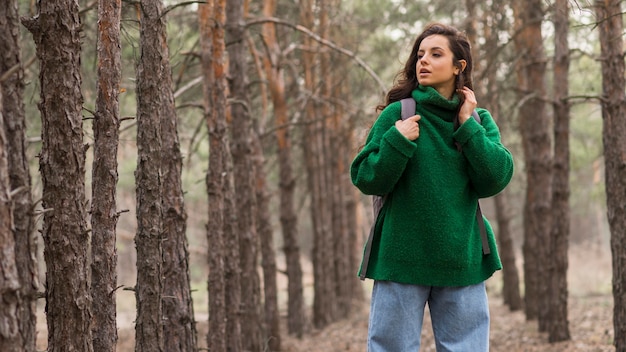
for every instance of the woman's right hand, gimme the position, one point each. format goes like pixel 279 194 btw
pixel 409 128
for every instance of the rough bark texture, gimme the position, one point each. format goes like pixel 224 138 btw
pixel 287 182
pixel 536 140
pixel 614 140
pixel 12 88
pixel 241 142
pixel 179 329
pixel 104 178
pixel 558 326
pixel 10 340
pixel 211 22
pixel 149 188
pixel 56 32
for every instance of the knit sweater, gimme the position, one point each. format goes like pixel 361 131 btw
pixel 427 233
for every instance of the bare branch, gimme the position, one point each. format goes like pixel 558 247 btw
pixel 15 68
pixel 323 41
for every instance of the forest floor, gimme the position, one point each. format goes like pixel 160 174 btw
pixel 590 315
pixel 590 310
pixel 590 328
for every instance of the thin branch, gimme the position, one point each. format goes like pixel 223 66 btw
pixel 188 86
pixel 185 3
pixel 16 67
pixel 323 41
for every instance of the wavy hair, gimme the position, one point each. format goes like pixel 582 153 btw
pixel 406 80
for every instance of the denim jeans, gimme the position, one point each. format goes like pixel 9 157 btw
pixel 459 315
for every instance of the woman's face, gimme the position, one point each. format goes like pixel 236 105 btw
pixel 435 65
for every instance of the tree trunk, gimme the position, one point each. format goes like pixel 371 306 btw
pixel 610 23
pixel 510 275
pixel 10 340
pixel 149 186
pixel 12 111
pixel 104 178
pixel 62 166
pixel 287 183
pixel 244 178
pixel 336 93
pixel 268 255
pixel 312 149
pixel 351 196
pixel 211 22
pixel 179 330
pixel 535 128
pixel 558 329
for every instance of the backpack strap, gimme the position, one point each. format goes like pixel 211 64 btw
pixel 408 110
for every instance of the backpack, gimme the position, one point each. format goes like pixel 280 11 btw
pixel 408 110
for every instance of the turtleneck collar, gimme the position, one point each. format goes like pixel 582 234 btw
pixel 429 96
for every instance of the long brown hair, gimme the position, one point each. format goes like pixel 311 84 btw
pixel 406 79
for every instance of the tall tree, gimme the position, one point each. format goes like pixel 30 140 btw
pixel 558 329
pixel 268 254
pixel 104 177
pixel 243 171
pixel 496 24
pixel 10 340
pixel 611 26
pixel 274 72
pixel 12 88
pixel 342 278
pixel 211 17
pixel 148 178
pixel 536 140
pixel 311 148
pixel 62 167
pixel 179 329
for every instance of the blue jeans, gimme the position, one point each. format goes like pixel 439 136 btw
pixel 459 315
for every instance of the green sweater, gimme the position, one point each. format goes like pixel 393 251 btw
pixel 427 233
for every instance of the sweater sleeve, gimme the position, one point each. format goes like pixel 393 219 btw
pixel 380 164
pixel 490 163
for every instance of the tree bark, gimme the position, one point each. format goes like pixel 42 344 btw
pixel 558 329
pixel 10 340
pixel 495 25
pixel 268 254
pixel 179 327
pixel 211 26
pixel 148 179
pixel 536 140
pixel 12 89
pixel 62 167
pixel 105 177
pixel 287 184
pixel 312 149
pixel 244 178
pixel 610 23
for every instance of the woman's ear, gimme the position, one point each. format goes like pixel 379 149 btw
pixel 463 65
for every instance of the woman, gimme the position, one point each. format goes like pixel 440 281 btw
pixel 433 167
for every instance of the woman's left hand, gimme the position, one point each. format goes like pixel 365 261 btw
pixel 468 105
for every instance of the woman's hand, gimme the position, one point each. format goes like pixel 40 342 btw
pixel 409 127
pixel 468 105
